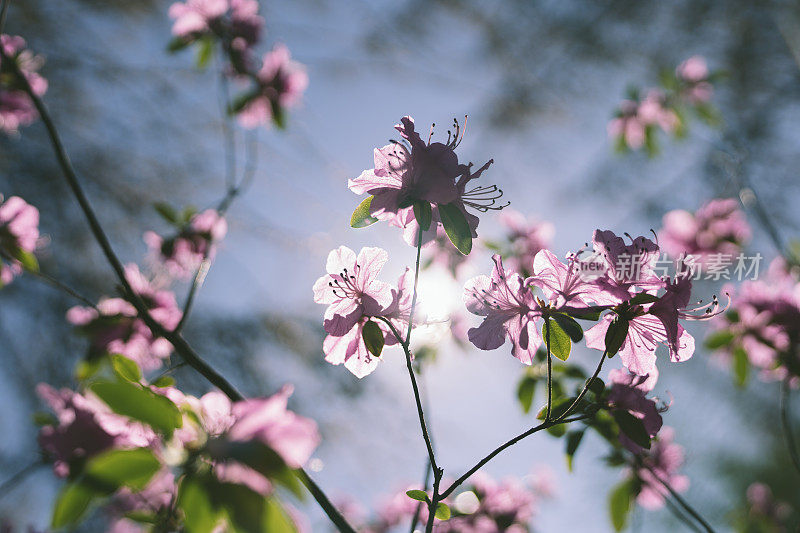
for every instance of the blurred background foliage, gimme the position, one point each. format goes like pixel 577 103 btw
pixel 540 79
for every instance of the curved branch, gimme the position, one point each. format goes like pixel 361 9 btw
pixel 181 346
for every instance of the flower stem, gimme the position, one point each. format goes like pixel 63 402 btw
pixel 787 425
pixel 416 281
pixel 549 369
pixel 415 387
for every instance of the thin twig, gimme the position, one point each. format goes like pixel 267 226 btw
pixel 7 485
pixel 63 287
pixel 680 501
pixel 544 425
pixel 428 467
pixel 562 419
pixel 787 425
pixel 678 513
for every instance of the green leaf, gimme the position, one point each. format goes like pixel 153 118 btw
pixel 456 226
pixel 418 495
pixel 643 298
pixel 559 407
pixel 27 260
pixel 719 339
pixel 275 518
pixel 525 392
pixel 632 427
pixel 442 511
pixel 199 514
pixel 72 504
pixel 615 336
pixel 40 418
pixel 558 430
pixel 167 212
pixel 245 508
pixel 361 217
pixel 570 327
pixel 126 369
pixel 122 468
pixel 741 366
pixel 205 51
pixel 588 313
pixel 373 338
pixel 164 382
pixel 596 385
pixel 241 101
pixel 178 43
pixel 260 458
pixel 423 214
pixel 619 504
pixel 574 439
pixel 556 340
pixel 87 368
pixel 141 404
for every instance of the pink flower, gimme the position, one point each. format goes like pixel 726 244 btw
pixel 183 253
pixel 416 171
pixel 157 496
pixel 16 107
pixel 653 110
pixel 196 16
pixel 114 327
pixel 565 285
pixel 403 175
pixel 86 427
pixel 510 310
pixel 662 462
pixel 354 295
pixel 527 237
pixel 19 231
pixel 627 127
pixel 269 421
pixel 266 420
pixel 629 392
pixel 628 266
pixel 351 288
pixel 718 227
pixel 281 83
pixel 651 325
pixel 694 75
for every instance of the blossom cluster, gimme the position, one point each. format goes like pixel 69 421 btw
pixel 761 328
pixel 16 107
pixel 238 448
pixel 275 82
pixel 642 114
pixel 645 320
pixel 195 456
pixel 717 229
pixel 195 241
